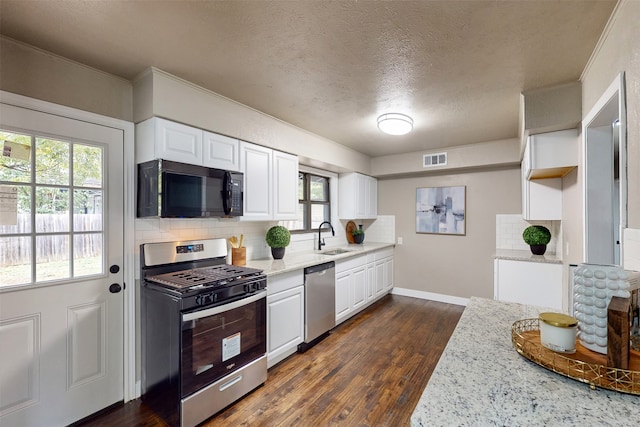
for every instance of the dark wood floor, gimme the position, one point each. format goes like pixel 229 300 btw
pixel 370 371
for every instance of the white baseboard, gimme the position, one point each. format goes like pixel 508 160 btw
pixel 430 296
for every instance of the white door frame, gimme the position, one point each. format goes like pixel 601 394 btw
pixel 615 89
pixel 131 388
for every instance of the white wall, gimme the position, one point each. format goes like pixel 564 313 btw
pixel 35 73
pixel 618 51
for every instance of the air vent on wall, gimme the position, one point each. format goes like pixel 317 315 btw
pixel 435 159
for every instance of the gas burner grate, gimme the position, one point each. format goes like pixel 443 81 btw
pixel 218 275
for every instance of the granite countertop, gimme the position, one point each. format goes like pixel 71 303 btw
pixel 518 255
pixel 481 380
pixel 298 260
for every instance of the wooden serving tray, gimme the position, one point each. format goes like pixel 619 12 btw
pixel 584 365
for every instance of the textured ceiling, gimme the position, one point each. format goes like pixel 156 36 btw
pixel 331 67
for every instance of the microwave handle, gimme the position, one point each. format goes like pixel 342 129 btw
pixel 227 193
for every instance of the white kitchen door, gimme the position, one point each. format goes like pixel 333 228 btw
pixel 61 257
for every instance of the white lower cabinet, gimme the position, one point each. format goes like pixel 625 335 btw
pixel 534 283
pixel 285 315
pixel 362 280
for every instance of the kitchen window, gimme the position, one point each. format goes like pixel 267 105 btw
pixel 314 203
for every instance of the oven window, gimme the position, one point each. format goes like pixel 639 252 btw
pixel 214 346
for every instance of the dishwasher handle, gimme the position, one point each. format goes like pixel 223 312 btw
pixel 319 268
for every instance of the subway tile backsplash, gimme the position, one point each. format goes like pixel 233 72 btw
pixel 509 230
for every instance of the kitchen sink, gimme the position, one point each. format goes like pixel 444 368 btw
pixel 335 252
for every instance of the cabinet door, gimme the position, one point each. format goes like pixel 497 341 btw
pixel 357 196
pixel 544 199
pixel 285 322
pixel 372 203
pixel 178 142
pixel 371 280
pixel 535 283
pixel 220 152
pixel 388 274
pixel 362 196
pixel 285 186
pixel 256 164
pixel 343 304
pixel 359 285
pixel 380 277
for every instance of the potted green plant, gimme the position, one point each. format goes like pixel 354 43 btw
pixel 358 234
pixel 537 237
pixel 278 238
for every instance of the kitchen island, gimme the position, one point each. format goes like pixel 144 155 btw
pixel 480 380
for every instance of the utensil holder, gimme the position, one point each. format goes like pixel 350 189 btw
pixel 239 256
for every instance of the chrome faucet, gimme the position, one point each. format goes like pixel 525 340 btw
pixel 320 239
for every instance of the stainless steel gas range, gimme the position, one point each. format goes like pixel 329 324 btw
pixel 203 329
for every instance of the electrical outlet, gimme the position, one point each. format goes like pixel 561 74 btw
pixel 399 240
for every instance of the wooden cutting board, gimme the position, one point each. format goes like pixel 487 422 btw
pixel 350 227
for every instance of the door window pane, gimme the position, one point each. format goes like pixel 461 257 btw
pixel 24 213
pixel 52 162
pixel 87 211
pixel 15 163
pixel 15 260
pixel 52 209
pixel 52 257
pixel 87 254
pixel 87 166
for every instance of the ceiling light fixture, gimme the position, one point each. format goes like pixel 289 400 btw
pixel 395 123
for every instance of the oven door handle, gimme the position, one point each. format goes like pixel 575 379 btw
pixel 224 307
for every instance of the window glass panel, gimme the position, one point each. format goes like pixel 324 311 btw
pixel 87 166
pixel 24 216
pixel 300 186
pixel 52 257
pixel 319 213
pixel 87 211
pixel 52 209
pixel 15 157
pixel 87 254
pixel 15 260
pixel 296 224
pixel 52 162
pixel 319 187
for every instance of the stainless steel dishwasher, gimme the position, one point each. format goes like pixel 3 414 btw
pixel 319 303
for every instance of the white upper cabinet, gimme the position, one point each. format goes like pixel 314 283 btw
pixel 220 152
pixel 357 196
pixel 547 158
pixel 270 183
pixel 158 138
pixel 550 155
pixel 256 163
pixel 285 185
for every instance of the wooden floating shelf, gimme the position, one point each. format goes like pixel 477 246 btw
pixel 584 365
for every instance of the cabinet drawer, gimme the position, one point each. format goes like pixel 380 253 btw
pixel 383 253
pixel 284 281
pixel 349 263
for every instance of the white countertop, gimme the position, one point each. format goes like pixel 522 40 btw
pixel 298 260
pixel 517 255
pixel 481 380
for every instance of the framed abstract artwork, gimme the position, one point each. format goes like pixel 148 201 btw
pixel 441 210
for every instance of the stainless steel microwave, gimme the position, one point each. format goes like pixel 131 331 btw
pixel 169 189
